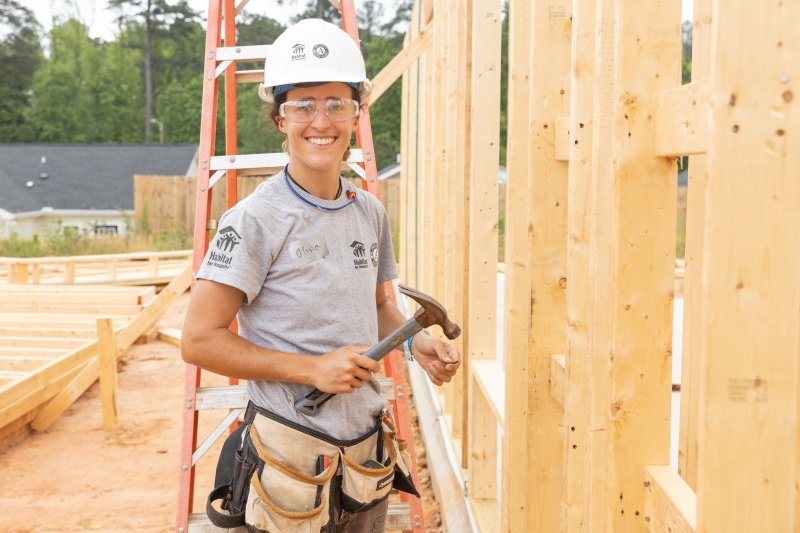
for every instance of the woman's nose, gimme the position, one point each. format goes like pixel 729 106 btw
pixel 321 120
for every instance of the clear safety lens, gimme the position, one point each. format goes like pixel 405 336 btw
pixel 337 109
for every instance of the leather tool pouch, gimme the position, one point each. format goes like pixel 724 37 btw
pixel 236 465
pixel 290 492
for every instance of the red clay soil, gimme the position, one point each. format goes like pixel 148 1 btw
pixel 77 477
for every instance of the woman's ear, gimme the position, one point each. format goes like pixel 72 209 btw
pixel 281 125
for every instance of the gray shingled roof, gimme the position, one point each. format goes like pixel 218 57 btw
pixel 82 176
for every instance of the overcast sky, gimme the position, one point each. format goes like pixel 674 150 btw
pixel 101 20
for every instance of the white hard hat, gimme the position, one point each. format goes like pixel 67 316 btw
pixel 313 51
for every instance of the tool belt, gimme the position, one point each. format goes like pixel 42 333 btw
pixel 298 472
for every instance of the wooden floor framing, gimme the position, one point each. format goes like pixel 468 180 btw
pixel 53 339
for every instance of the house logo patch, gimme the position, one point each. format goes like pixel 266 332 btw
pixel 373 254
pixel 359 251
pixel 298 52
pixel 321 51
pixel 227 240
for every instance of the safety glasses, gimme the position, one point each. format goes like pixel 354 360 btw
pixel 337 109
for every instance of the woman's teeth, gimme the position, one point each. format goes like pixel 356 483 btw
pixel 317 140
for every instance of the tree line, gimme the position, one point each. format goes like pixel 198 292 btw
pixel 150 75
pixel 65 86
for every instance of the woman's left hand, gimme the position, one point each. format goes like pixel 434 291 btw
pixel 440 360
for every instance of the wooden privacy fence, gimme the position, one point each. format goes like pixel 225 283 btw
pixel 137 268
pixel 167 203
pixel 579 395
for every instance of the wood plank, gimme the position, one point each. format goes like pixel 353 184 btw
pixel 64 344
pixel 558 378
pixel 58 367
pixel 549 101
pixel 581 218
pixel 401 62
pixel 107 348
pixel 481 296
pixel 483 444
pixel 72 308
pixel 31 352
pixel 33 331
pixel 487 514
pixel 669 503
pixel 562 139
pixel 34 396
pixel 681 120
pixel 144 292
pixel 170 336
pixel 70 298
pixel 22 363
pixel 489 375
pixel 518 228
pixel 641 215
pixel 693 277
pixel 750 325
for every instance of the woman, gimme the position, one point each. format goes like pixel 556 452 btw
pixel 301 263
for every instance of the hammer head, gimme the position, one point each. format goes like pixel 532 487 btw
pixel 431 312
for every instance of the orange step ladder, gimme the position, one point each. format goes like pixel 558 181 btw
pixel 405 515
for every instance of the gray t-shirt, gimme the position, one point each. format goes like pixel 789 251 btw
pixel 309 277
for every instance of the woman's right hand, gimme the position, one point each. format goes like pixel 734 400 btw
pixel 343 370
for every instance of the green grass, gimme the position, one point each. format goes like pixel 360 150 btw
pixel 61 241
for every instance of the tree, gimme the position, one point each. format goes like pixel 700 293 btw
pixel 686 56
pixel 155 16
pixel 385 113
pixel 20 57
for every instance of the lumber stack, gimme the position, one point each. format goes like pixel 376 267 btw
pixel 49 351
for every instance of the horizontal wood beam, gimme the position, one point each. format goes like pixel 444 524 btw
pixel 562 139
pixel 681 119
pixel 558 378
pixel 395 68
pixel 491 380
pixel 669 503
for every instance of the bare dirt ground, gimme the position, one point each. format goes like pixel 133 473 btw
pixel 77 477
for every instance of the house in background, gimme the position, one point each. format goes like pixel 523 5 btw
pixel 88 187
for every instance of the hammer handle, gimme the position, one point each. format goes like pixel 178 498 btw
pixel 314 399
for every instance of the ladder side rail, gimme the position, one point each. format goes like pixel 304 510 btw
pixel 364 129
pixel 208 115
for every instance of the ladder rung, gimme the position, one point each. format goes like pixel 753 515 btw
pixel 249 76
pixel 398 518
pixel 235 396
pixel 265 161
pixel 243 53
pixel 225 397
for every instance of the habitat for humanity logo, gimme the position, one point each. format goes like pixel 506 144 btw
pixel 359 251
pixel 298 52
pixel 227 239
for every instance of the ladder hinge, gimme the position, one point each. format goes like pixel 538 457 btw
pixel 211 224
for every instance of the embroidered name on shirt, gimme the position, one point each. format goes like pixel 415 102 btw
pixel 308 249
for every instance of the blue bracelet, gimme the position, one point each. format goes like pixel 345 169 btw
pixel 408 350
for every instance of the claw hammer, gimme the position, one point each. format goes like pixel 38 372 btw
pixel 430 312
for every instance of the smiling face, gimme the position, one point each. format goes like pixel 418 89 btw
pixel 316 148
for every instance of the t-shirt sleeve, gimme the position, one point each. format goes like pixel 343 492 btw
pixel 239 254
pixel 387 265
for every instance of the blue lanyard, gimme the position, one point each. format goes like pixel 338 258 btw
pixel 286 177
